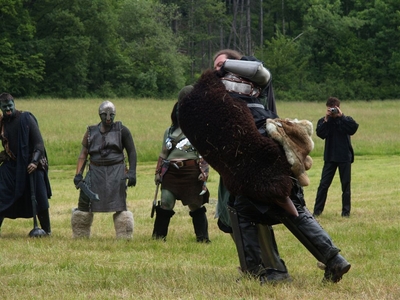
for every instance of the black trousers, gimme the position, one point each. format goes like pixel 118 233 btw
pixel 328 173
pixel 252 212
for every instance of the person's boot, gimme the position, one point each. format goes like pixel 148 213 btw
pixel 81 223
pixel 44 220
pixel 336 268
pixel 123 224
pixel 161 223
pixel 200 224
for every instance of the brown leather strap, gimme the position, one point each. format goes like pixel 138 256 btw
pixel 183 163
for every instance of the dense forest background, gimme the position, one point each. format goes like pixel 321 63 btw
pixel 149 48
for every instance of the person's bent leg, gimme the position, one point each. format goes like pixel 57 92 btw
pixel 310 233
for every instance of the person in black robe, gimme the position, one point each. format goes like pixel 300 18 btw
pixel 24 155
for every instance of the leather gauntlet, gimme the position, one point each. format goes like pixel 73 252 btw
pixel 36 156
pixel 159 165
pixel 157 177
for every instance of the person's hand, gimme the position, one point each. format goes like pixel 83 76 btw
pixel 31 168
pixel 131 176
pixel 339 113
pixel 77 179
pixel 202 177
pixel 157 178
pixel 333 112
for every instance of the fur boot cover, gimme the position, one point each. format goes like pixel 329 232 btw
pixel 123 224
pixel 223 131
pixel 81 222
pixel 295 137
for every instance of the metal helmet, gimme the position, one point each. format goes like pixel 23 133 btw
pixel 107 107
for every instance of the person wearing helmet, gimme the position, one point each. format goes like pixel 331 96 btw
pixel 107 177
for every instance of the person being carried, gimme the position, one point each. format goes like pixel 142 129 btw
pixel 182 173
pixel 107 177
pixel 335 128
pixel 24 156
pixel 253 167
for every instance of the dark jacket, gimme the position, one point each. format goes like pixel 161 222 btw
pixel 336 132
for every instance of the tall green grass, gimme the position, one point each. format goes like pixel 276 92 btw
pixel 105 268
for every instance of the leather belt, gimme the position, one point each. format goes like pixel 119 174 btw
pixel 101 164
pixel 183 163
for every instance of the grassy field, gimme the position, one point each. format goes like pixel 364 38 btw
pixel 104 268
pixel 63 123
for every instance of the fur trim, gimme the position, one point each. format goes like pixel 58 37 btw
pixel 81 222
pixel 223 131
pixel 123 224
pixel 295 137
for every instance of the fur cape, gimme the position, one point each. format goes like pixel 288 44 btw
pixel 223 131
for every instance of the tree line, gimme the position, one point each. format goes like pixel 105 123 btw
pixel 151 48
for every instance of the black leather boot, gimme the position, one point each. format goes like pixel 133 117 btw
pixel 161 223
pixel 336 268
pixel 44 220
pixel 200 224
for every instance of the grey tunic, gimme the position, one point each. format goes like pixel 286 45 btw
pixel 106 170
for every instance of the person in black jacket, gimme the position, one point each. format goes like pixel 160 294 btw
pixel 335 128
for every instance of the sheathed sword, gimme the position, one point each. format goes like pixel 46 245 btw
pixel 85 188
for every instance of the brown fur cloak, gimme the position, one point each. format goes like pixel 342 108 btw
pixel 222 129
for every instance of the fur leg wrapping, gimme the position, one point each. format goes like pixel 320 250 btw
pixel 81 222
pixel 123 224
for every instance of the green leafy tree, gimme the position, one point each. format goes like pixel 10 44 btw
pixel 79 42
pixel 381 36
pixel 152 50
pixel 288 66
pixel 20 63
pixel 331 39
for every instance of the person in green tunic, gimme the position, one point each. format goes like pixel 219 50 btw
pixel 182 173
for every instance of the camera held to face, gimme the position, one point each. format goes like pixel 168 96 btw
pixel 333 110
